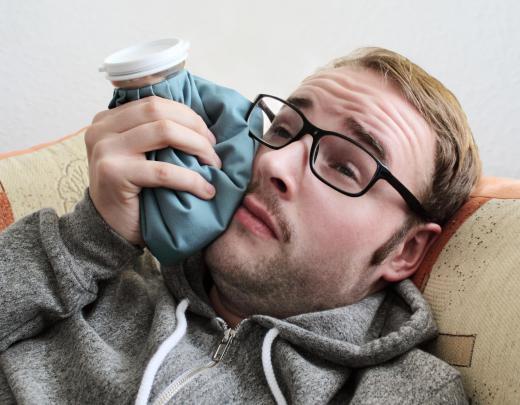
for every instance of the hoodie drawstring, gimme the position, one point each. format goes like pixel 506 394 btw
pixel 268 366
pixel 155 362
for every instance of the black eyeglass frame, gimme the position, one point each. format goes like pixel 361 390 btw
pixel 382 172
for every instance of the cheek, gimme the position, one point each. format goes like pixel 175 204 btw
pixel 330 223
pixel 335 224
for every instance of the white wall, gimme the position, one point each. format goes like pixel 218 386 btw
pixel 50 52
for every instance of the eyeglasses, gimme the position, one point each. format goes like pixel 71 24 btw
pixel 337 160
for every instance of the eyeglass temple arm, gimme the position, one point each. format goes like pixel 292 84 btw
pixel 410 199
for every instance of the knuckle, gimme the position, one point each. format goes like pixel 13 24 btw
pixel 164 127
pixel 162 173
pixel 106 168
pixel 153 99
pixel 90 135
pixel 152 109
pixel 97 149
pixel 99 116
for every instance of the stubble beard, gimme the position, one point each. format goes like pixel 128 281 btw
pixel 259 284
pixel 262 282
pixel 280 285
pixel 283 282
pixel 255 282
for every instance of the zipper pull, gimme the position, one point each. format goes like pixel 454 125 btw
pixel 229 335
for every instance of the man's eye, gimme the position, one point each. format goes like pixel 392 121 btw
pixel 345 170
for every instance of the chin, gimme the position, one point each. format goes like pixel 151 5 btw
pixel 234 263
pixel 223 254
pixel 226 266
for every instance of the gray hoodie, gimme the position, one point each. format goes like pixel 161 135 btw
pixel 84 320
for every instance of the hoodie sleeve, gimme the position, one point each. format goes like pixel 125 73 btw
pixel 450 393
pixel 50 267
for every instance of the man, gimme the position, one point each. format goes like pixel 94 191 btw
pixel 304 299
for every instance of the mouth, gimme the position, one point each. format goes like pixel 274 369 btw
pixel 252 215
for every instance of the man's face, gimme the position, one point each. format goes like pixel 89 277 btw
pixel 319 255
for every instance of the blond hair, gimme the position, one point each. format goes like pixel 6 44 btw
pixel 457 164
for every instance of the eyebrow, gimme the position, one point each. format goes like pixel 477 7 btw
pixel 366 137
pixel 352 125
pixel 300 102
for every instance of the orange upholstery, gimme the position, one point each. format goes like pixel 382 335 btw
pixel 488 188
pixel 471 278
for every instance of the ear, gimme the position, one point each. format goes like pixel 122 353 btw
pixel 406 258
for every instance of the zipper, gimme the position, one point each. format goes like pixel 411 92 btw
pixel 169 392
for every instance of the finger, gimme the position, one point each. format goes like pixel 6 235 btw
pixel 146 173
pixel 164 133
pixel 102 125
pixel 103 114
pixel 93 135
pixel 154 109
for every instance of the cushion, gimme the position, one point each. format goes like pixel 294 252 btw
pixel 471 278
pixel 48 175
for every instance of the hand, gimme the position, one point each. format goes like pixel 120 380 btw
pixel 116 144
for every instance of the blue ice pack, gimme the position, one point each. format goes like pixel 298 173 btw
pixel 176 224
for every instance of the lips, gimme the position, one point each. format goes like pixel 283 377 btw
pixel 260 213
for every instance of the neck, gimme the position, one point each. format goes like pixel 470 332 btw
pixel 223 309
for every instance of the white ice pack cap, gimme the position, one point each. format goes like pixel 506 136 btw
pixel 145 59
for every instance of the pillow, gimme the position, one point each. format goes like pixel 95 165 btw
pixel 471 278
pixel 48 175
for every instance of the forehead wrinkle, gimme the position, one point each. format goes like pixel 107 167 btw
pixel 390 107
pixel 371 96
pixel 394 125
pixel 341 80
pixel 313 90
pixel 338 90
pixel 365 103
pixel 341 85
pixel 391 110
pixel 412 132
pixel 367 109
pixel 366 137
pixel 412 126
pixel 394 131
pixel 353 105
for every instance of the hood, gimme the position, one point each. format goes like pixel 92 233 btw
pixel 310 357
pixel 374 330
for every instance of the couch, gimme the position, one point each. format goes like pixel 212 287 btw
pixel 470 277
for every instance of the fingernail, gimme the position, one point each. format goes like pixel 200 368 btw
pixel 210 190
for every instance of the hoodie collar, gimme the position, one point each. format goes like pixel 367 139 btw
pixel 379 327
pixel 376 329
pixel 190 279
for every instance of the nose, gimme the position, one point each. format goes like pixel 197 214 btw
pixel 285 169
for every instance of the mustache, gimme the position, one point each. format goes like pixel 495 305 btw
pixel 272 203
